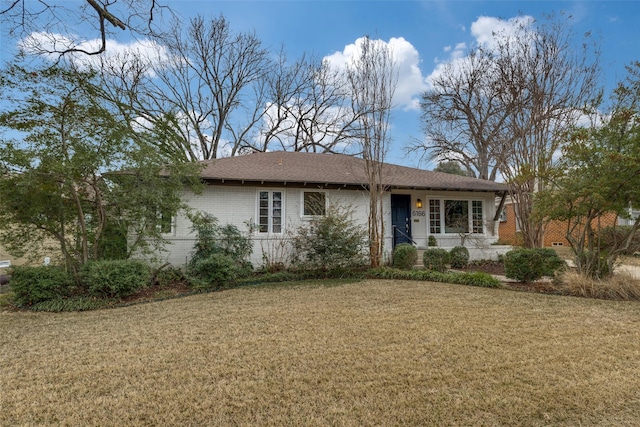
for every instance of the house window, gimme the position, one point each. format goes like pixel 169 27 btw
pixel 434 216
pixel 456 216
pixel 165 221
pixel 314 203
pixel 270 212
pixel 503 215
pixel 477 221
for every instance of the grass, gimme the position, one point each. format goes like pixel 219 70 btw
pixel 366 353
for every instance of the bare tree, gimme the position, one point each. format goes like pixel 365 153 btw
pixel 373 78
pixel 309 108
pixel 50 20
pixel 504 108
pixel 463 116
pixel 206 89
pixel 546 83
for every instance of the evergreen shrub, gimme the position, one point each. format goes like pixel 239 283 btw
pixel 115 278
pixel 435 259
pixel 32 285
pixel 459 257
pixel 526 265
pixel 215 271
pixel 405 256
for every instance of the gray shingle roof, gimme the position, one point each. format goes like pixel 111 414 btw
pixel 296 168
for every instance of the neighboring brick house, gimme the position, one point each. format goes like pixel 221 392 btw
pixel 555 231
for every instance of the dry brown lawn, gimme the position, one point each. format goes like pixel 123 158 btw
pixel 374 353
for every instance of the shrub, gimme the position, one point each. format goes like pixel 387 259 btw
pixel 459 257
pixel 432 241
pixel 115 278
pixel 405 256
pixel 330 241
pixel 551 262
pixel 32 285
pixel 526 265
pixel 215 239
pixel 169 276
pixel 215 271
pixel 472 279
pixel 435 259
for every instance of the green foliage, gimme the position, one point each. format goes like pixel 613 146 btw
pixel 330 241
pixel 169 276
pixel 598 175
pixel 432 241
pixel 472 279
pixel 215 271
pixel 459 257
pixel 115 278
pixel 405 256
pixel 76 303
pixel 32 285
pixel 61 169
pixel 527 265
pixel 215 239
pixel 435 259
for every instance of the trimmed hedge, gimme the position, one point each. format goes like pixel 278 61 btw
pixel 472 279
pixel 32 285
pixel 435 259
pixel 405 256
pixel 115 278
pixel 459 257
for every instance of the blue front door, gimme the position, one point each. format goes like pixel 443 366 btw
pixel 401 218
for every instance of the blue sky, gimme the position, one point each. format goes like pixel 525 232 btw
pixel 422 34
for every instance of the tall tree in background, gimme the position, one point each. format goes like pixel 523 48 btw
pixel 546 83
pixel 309 109
pixel 463 116
pixel 505 108
pixel 206 90
pixel 43 22
pixel 372 77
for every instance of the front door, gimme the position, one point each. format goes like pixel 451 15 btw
pixel 401 218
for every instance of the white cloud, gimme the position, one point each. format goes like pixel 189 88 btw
pixel 407 60
pixel 42 44
pixel 487 30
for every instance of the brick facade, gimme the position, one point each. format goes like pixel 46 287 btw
pixel 554 234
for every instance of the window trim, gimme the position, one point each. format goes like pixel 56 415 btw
pixel 270 224
pixel 302 204
pixel 441 215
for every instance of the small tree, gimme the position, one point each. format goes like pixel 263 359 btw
pixel 61 170
pixel 373 79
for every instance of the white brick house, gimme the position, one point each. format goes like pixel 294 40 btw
pixel 270 189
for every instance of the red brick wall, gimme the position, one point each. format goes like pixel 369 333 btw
pixel 554 234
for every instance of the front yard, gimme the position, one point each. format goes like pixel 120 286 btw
pixel 327 353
